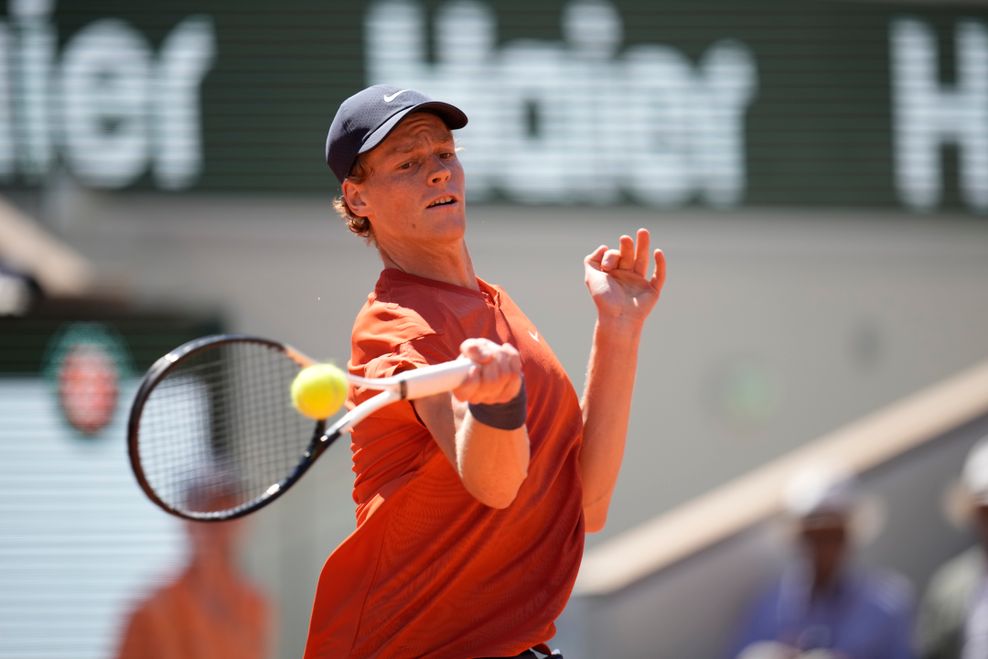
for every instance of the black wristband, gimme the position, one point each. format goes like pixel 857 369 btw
pixel 504 416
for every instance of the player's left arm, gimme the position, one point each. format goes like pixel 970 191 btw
pixel 624 295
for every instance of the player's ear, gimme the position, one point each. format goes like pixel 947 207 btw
pixel 354 197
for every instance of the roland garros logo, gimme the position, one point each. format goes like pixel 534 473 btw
pixel 85 366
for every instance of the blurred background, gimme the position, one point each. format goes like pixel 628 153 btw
pixel 816 172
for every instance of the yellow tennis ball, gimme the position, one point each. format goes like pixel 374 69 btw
pixel 318 391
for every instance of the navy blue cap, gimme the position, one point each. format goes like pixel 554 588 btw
pixel 367 117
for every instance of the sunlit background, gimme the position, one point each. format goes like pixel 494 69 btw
pixel 816 172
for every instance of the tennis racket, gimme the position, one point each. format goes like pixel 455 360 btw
pixel 213 434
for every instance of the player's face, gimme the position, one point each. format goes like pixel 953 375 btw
pixel 415 188
pixel 825 543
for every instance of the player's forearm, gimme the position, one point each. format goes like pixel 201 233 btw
pixel 606 408
pixel 492 463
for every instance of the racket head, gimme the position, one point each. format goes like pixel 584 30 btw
pixel 212 433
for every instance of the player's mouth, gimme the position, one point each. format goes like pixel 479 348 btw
pixel 447 200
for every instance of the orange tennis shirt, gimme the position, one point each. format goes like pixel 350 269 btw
pixel 430 571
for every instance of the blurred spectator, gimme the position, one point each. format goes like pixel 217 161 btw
pixel 210 611
pixel 953 621
pixel 824 605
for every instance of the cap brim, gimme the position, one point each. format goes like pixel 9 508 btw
pixel 865 520
pixel 451 115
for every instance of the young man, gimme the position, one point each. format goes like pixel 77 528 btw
pixel 471 508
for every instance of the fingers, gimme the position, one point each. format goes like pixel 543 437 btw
pixel 479 351
pixel 594 258
pixel 627 248
pixel 631 254
pixel 658 279
pixel 641 251
pixel 621 258
pixel 496 375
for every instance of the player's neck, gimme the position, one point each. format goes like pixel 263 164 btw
pixel 450 264
pixel 213 568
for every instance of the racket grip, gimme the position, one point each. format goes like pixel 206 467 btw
pixel 435 379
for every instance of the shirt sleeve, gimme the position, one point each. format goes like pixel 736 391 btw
pixel 422 351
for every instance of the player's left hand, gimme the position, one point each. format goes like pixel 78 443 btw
pixel 618 279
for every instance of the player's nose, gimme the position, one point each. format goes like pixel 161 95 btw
pixel 440 172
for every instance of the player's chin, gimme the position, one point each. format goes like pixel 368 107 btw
pixel 449 219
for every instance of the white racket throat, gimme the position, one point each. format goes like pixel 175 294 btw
pixel 420 382
pixel 346 422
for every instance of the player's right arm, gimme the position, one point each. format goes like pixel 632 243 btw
pixel 492 463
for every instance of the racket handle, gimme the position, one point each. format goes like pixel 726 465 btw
pixel 435 379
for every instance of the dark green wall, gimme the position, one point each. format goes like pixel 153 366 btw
pixel 818 130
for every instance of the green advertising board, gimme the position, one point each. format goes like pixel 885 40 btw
pixel 713 103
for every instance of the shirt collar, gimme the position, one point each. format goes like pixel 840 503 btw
pixel 487 292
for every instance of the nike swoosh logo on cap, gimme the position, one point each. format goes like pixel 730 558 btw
pixel 390 97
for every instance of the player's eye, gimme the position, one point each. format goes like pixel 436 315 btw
pixel 446 155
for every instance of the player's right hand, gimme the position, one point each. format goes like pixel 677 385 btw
pixel 496 375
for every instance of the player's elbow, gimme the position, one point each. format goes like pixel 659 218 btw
pixel 594 523
pixel 499 492
pixel 498 500
pixel 595 516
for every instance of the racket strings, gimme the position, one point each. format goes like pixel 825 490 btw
pixel 219 430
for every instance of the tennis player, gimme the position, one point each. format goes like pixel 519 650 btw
pixel 471 508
